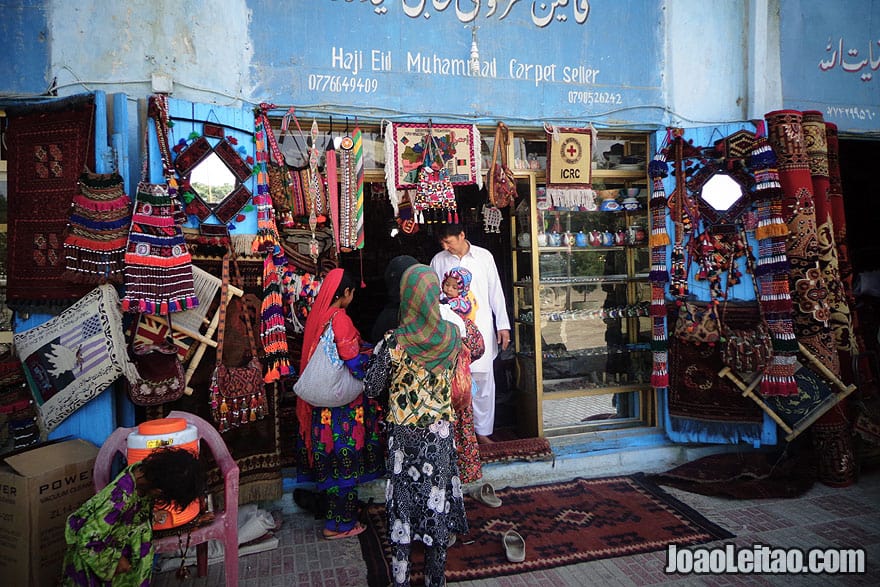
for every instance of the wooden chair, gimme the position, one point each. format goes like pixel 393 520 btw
pixel 224 527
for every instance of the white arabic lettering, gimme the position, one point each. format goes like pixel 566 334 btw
pixel 467 17
pixel 413 12
pixel 417 9
pixel 838 58
pixel 581 10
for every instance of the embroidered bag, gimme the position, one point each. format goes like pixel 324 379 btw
pixel 75 356
pixel 237 393
pixel 502 182
pixel 747 350
pixel 326 381
pixel 161 377
pixel 434 193
pixel 97 230
pixel 697 323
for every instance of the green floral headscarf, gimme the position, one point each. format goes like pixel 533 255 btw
pixel 428 339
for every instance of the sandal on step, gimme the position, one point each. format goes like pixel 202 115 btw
pixel 486 494
pixel 514 546
pixel 357 529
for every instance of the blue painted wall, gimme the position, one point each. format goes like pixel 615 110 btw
pixel 639 63
pixel 25 31
pixel 831 61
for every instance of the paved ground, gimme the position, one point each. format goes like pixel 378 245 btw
pixel 824 517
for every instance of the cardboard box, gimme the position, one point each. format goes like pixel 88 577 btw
pixel 39 488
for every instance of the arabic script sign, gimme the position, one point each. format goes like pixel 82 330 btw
pixel 830 56
pixel 490 59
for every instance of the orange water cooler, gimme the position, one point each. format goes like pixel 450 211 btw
pixel 156 434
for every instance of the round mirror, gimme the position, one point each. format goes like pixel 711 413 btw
pixel 212 180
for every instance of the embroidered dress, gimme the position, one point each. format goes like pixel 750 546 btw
pixel 338 447
pixel 116 523
pixel 470 465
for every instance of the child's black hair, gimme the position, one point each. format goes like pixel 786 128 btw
pixel 348 281
pixel 177 474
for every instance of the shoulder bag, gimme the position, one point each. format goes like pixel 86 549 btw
pixel 160 374
pixel 238 395
pixel 326 381
pixel 748 350
pixel 502 182
pixel 435 196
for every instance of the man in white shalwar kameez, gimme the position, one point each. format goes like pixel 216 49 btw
pixel 491 316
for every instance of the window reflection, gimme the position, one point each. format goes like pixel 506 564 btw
pixel 212 180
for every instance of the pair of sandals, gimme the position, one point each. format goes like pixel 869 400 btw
pixel 514 543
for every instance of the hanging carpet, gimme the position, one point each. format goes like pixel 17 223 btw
pixel 698 398
pixel 562 523
pixel 49 145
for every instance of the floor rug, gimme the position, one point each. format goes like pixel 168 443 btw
pixel 562 523
pixel 752 475
pixel 518 449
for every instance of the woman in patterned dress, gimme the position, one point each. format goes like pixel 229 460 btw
pixel 339 447
pixel 110 537
pixel 415 364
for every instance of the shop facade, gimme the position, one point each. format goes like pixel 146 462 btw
pixel 577 273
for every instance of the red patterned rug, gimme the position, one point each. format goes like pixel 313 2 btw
pixel 563 523
pixel 49 146
pixel 517 449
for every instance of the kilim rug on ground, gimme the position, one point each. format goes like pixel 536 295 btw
pixel 562 523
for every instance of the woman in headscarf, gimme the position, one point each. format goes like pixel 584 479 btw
pixel 416 364
pixel 387 318
pixel 339 447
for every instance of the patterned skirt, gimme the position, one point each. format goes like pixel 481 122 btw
pixel 346 446
pixel 423 497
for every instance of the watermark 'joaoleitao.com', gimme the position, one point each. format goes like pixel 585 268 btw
pixel 760 558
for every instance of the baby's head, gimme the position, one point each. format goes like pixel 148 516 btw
pixel 457 282
pixel 450 286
